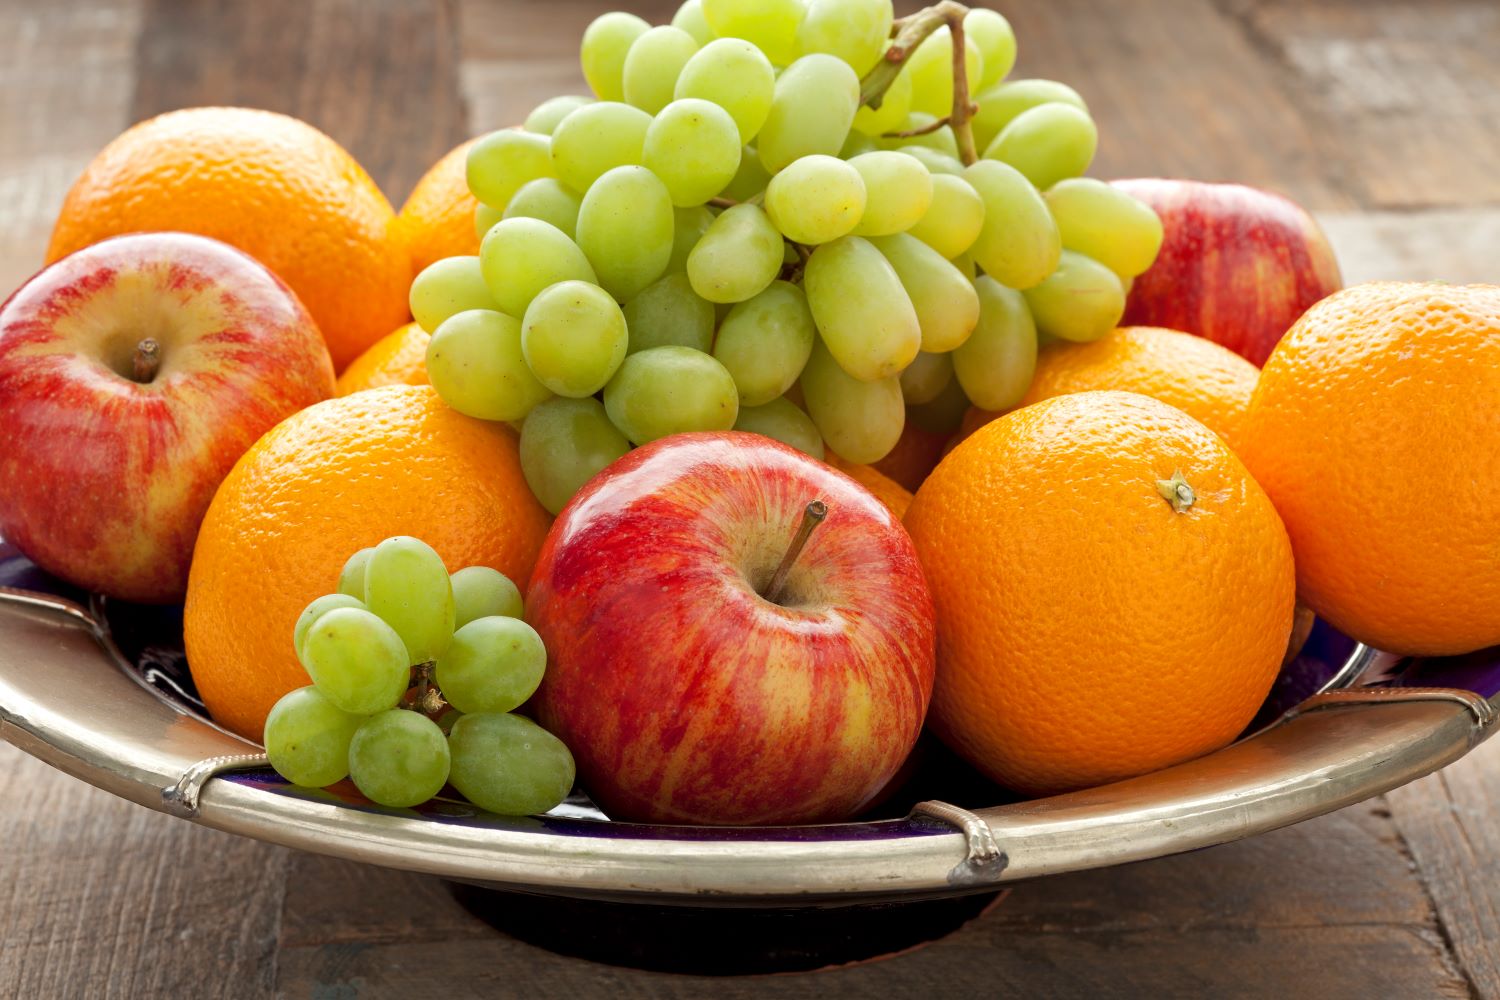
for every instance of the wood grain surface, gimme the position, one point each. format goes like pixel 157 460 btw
pixel 1383 117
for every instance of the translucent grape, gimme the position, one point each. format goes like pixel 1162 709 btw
pixel 996 41
pixel 564 444
pixel 493 664
pixel 816 199
pixel 573 337
pixel 352 576
pixel 735 75
pixel 926 377
pixel 688 227
pixel 1101 221
pixel 953 220
pixel 448 286
pixel 485 217
pixel 669 312
pixel 770 24
pixel 750 179
pixel 625 228
pixel 474 362
pixel 1000 104
pixel 739 255
pixel 547 199
pixel 1082 300
pixel 307 738
pixel 931 69
pixel 1018 245
pixel 502 161
pixel 764 342
pixel 509 765
pixel 399 759
pixel 652 65
pixel 520 257
pixel 939 139
pixel 942 415
pixel 597 138
pixel 479 592
pixel 694 147
pixel 606 43
pixel 689 18
pixel 356 660
pixel 898 192
pixel 995 365
pixel 545 116
pixel 965 263
pixel 857 31
pixel 944 299
pixel 1047 144
pixel 670 390
pixel 407 585
pixel 316 609
pixel 812 111
pixel 861 421
pixel 855 144
pixel 895 105
pixel 862 312
pixel 782 420
pixel 935 160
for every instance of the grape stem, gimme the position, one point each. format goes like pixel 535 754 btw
pixel 925 129
pixel 812 516
pixel 910 32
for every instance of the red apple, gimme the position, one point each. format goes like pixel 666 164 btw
pixel 133 374
pixel 1237 265
pixel 685 694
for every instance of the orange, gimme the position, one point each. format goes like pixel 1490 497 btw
pixel 321 485
pixel 273 186
pixel 974 418
pixel 1376 430
pixel 437 220
pixel 1088 629
pixel 399 358
pixel 915 455
pixel 889 492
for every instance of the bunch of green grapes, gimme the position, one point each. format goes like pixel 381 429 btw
pixel 737 232
pixel 415 678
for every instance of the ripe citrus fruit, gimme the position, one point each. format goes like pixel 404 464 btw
pixel 321 485
pixel 437 220
pixel 399 358
pixel 889 492
pixel 1089 629
pixel 1376 430
pixel 273 186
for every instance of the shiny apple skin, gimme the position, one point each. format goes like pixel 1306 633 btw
pixel 1237 265
pixel 684 695
pixel 104 480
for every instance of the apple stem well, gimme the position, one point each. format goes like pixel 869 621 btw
pixel 146 361
pixel 812 516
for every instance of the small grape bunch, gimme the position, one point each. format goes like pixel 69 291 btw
pixel 415 676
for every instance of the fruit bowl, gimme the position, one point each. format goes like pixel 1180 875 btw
pixel 101 692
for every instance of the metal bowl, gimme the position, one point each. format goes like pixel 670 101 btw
pixel 98 692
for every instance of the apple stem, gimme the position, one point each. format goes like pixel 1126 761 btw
pixel 812 516
pixel 147 360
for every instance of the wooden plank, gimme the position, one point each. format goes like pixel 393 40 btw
pixel 1458 245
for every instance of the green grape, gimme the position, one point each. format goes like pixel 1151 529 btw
pixel 940 139
pixel 770 24
pixel 509 765
pixel 935 160
pixel 545 116
pixel 520 257
pixel 480 592
pixel 564 444
pixel 946 306
pixel 597 138
pixel 931 69
pixel 357 660
pixel 861 421
pixel 474 362
pixel 750 179
pixel 996 41
pixel 942 415
pixel 739 255
pixel 548 199
pixel 764 342
pixel 669 312
pixel 315 610
pixel 307 738
pixel 502 161
pixel 953 220
pixel 856 144
pixel 1082 300
pixel 625 228
pixel 573 337
pixel 493 665
pixel 864 315
pixel 446 287
pixel 670 390
pixel 1100 221
pixel 1018 244
pixel 996 364
pixel 895 105
pixel 857 31
pixel 965 263
pixel 1048 143
pixel 782 420
pixel 689 18
pixel 816 199
pixel 485 217
pixel 694 147
pixel 352 576
pixel 735 75
pixel 812 111
pixel 399 758
pixel 652 65
pixel 1000 104
pixel 898 192
pixel 446 721
pixel 407 585
pixel 925 378
pixel 606 43
pixel 688 227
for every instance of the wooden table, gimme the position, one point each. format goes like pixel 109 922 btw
pixel 1382 117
